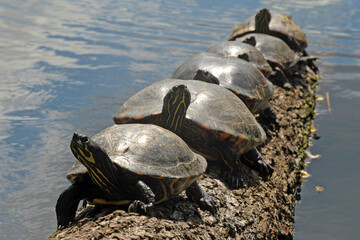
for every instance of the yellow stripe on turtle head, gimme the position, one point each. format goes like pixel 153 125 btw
pixel 84 157
pixel 175 119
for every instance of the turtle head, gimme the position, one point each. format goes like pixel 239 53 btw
pixel 262 20
pixel 206 76
pixel 84 149
pixel 244 57
pixel 176 103
pixel 250 40
pixel 97 162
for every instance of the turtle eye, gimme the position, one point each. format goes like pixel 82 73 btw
pixel 84 139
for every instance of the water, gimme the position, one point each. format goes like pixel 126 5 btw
pixel 67 66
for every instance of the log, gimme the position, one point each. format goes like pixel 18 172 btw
pixel 262 210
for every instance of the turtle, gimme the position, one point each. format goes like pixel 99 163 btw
pixel 237 75
pixel 279 26
pixel 274 50
pixel 283 60
pixel 274 24
pixel 132 164
pixel 245 51
pixel 210 119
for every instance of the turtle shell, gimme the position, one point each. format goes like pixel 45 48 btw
pixel 280 26
pixel 274 50
pixel 214 112
pixel 237 75
pixel 238 49
pixel 76 172
pixel 148 151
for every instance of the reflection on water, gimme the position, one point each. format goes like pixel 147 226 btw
pixel 68 65
pixel 307 5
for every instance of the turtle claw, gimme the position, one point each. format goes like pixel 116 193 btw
pixel 138 207
pixel 265 169
pixel 207 203
pixel 233 181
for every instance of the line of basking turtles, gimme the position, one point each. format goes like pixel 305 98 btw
pixel 165 135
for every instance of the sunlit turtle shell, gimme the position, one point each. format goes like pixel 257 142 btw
pixel 274 24
pixel 243 51
pixel 237 75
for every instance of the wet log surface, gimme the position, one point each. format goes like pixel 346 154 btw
pixel 262 210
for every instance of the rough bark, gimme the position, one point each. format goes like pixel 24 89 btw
pixel 262 210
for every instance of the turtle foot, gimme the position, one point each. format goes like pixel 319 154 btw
pixel 207 203
pixel 254 160
pixel 139 207
pixel 233 181
pixel 196 194
pixel 64 221
pixel 265 169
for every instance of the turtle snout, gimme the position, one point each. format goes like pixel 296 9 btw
pixel 80 138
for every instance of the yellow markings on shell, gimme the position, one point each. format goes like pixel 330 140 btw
pixel 258 93
pixel 208 157
pixel 121 119
pixel 108 202
pixel 205 127
pixel 159 177
pixel 172 190
pixel 224 135
pixel 242 149
pixel 239 140
pixel 165 193
pixel 185 182
pixel 139 118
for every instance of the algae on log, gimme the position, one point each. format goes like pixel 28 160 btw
pixel 262 210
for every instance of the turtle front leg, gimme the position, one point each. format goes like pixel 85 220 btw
pixel 279 78
pixel 67 204
pixel 198 196
pixel 254 160
pixel 268 117
pixel 231 162
pixel 310 61
pixel 146 195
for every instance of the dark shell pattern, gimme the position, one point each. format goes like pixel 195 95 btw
pixel 237 75
pixel 212 107
pixel 147 150
pixel 236 48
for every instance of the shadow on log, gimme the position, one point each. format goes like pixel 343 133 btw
pixel 262 210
